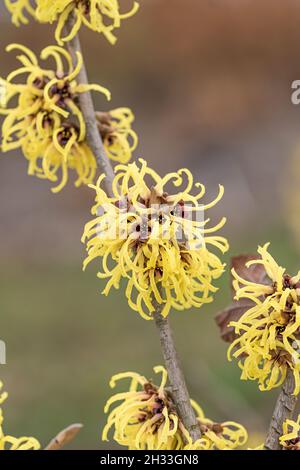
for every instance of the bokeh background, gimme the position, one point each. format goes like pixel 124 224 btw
pixel 210 84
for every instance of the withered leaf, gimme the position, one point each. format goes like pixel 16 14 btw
pixel 231 313
pixel 255 273
pixel 64 437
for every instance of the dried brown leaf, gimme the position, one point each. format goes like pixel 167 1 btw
pixel 255 273
pixel 231 313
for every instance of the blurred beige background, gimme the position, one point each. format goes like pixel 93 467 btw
pixel 210 84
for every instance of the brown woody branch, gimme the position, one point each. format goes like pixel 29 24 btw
pixel 175 374
pixel 284 409
pixel 179 389
pixel 93 136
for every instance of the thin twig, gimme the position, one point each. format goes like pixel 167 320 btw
pixel 93 136
pixel 179 389
pixel 175 374
pixel 284 409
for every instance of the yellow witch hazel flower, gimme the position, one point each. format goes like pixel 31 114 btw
pixel 14 443
pixel 118 137
pixel 19 10
pixel 146 419
pixel 46 122
pixel 290 439
pixel 102 16
pixel 157 241
pixel 268 334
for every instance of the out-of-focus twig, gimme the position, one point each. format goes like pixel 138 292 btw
pixel 64 437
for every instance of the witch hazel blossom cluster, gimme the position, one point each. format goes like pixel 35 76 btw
pixel 101 16
pixel 144 417
pixel 164 257
pixel 268 334
pixel 44 120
